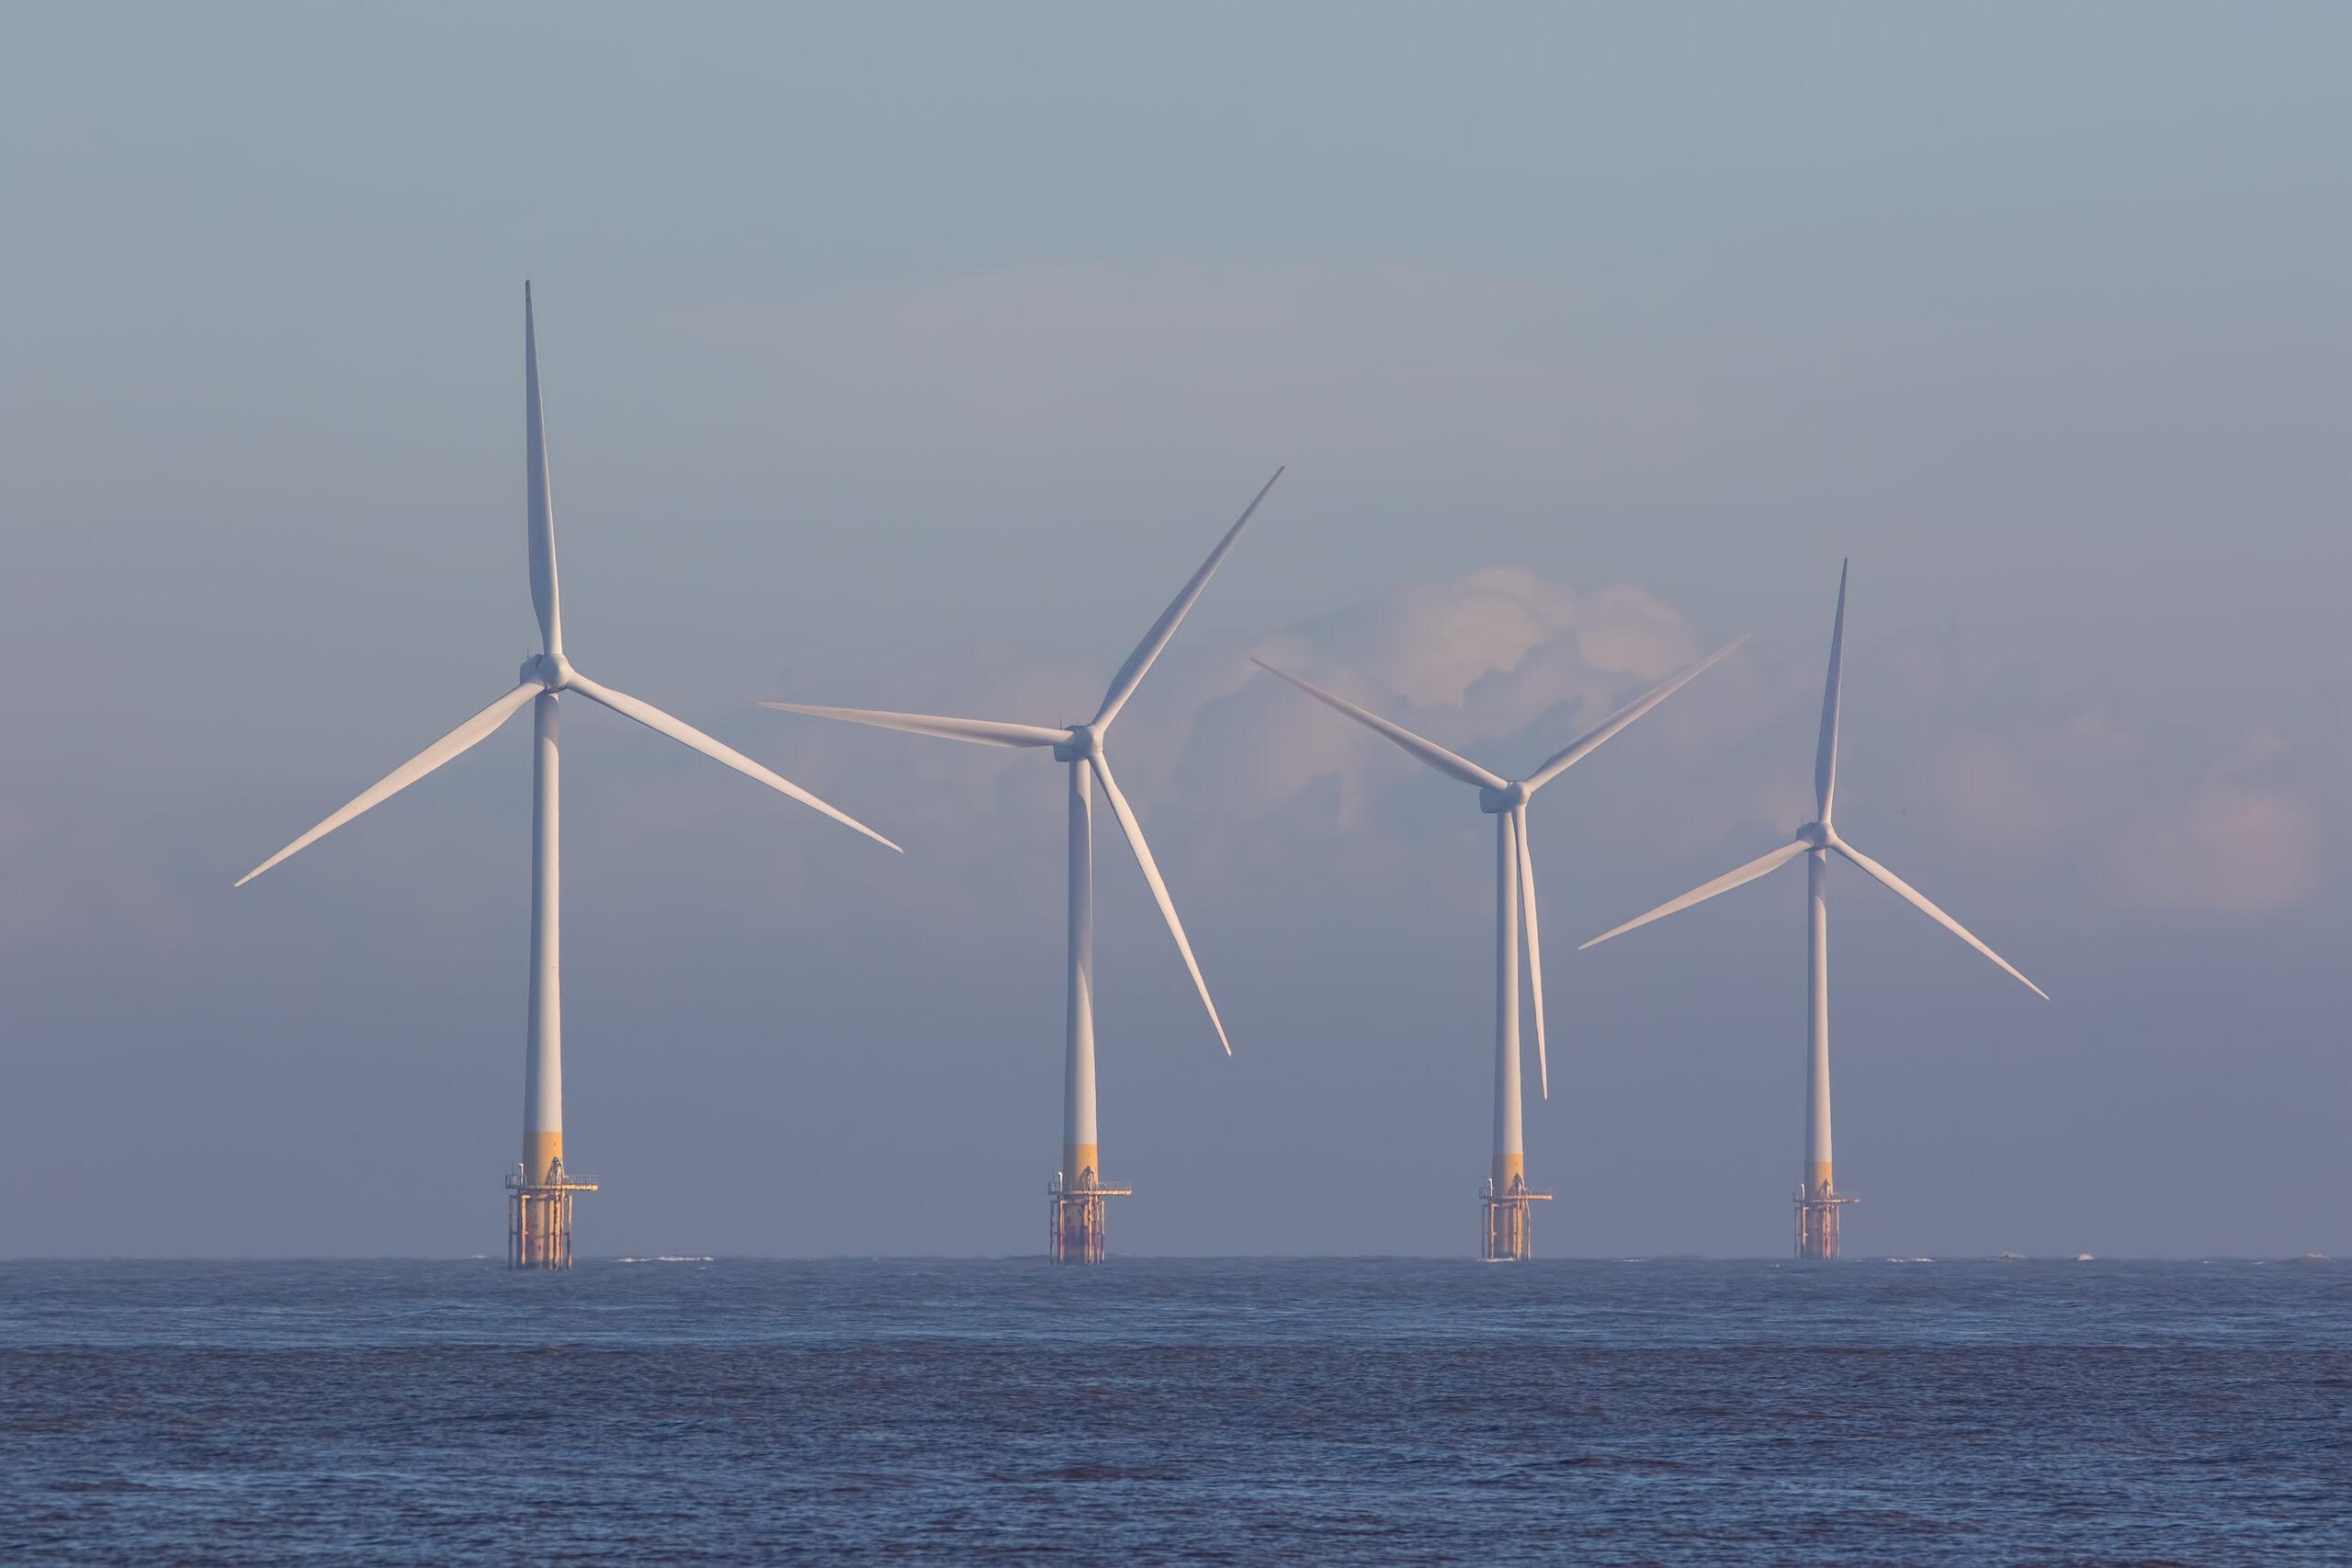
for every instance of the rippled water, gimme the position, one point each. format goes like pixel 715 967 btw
pixel 1376 1410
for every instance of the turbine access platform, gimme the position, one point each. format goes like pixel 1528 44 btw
pixel 538 1216
pixel 1074 1218
pixel 1507 1220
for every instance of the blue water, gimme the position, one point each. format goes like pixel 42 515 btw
pixel 1235 1410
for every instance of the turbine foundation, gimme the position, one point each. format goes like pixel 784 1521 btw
pixel 1075 1214
pixel 538 1216
pixel 1507 1213
pixel 1817 1204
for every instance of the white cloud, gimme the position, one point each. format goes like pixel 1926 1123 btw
pixel 2106 810
pixel 2126 812
pixel 2245 841
pixel 1471 663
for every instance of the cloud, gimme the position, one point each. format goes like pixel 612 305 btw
pixel 1235 772
pixel 2145 813
pixel 1470 662
pixel 2245 841
pixel 2111 810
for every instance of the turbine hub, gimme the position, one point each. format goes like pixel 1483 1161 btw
pixel 1495 802
pixel 1083 745
pixel 1814 833
pixel 552 671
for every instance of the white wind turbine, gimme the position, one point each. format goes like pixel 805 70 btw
pixel 1077 1230
pixel 540 1232
pixel 1817 1199
pixel 1509 1228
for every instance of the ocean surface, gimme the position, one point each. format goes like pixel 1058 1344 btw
pixel 1381 1410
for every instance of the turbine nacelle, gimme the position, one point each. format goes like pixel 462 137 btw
pixel 552 670
pixel 1510 797
pixel 1817 834
pixel 1085 744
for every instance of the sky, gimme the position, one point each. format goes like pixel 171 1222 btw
pixel 913 355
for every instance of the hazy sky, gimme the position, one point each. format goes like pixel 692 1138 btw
pixel 911 356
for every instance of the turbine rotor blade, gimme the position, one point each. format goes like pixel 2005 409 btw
pixel 1926 907
pixel 1534 939
pixel 1140 662
pixel 687 734
pixel 1707 890
pixel 978 731
pixel 1825 756
pixel 461 739
pixel 1429 751
pixel 1134 830
pixel 1590 742
pixel 539 503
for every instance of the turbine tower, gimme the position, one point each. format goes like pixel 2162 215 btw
pixel 1075 1197
pixel 1818 1198
pixel 538 1230
pixel 1507 1220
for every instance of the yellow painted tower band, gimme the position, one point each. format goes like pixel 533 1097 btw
pixel 1817 1181
pixel 1078 1159
pixel 1508 1168
pixel 540 1150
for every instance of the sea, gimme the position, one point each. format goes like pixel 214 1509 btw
pixel 1375 1410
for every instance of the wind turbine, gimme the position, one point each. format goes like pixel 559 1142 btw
pixel 1818 1198
pixel 1075 1199
pixel 539 1207
pixel 1507 1227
